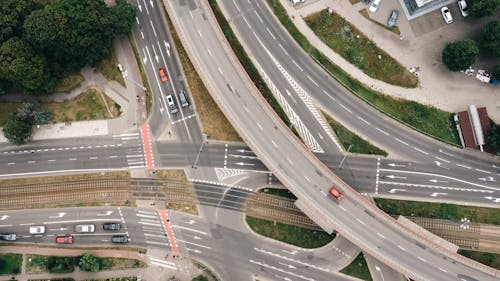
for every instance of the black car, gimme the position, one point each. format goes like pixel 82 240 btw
pixel 8 236
pixel 112 226
pixel 119 239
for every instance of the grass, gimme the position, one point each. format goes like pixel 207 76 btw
pixel 348 138
pixel 489 259
pixel 36 264
pixel 120 263
pixel 10 263
pixel 358 49
pixel 298 236
pixel 439 211
pixel 69 82
pixel 353 2
pixel 285 193
pixel 426 119
pixel 250 68
pixel 108 67
pixel 90 105
pixel 147 92
pixel 358 268
pixel 7 109
pixel 394 29
pixel 213 121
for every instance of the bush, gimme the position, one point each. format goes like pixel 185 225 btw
pixel 496 72
pixel 460 55
pixel 89 262
pixel 482 8
pixel 494 137
pixel 490 40
pixel 200 278
pixel 60 264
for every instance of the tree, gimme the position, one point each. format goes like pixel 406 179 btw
pixel 200 278
pixel 496 72
pixel 482 8
pixel 122 16
pixel 12 13
pixel 17 131
pixel 23 67
pixel 460 55
pixel 494 137
pixel 490 40
pixel 89 262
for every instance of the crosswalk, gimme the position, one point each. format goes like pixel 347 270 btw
pixel 152 228
pixel 134 154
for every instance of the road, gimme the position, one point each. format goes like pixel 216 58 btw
pixel 224 242
pixel 293 164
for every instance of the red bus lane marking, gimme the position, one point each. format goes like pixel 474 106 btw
pixel 147 147
pixel 168 229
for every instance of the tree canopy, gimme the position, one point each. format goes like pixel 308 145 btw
pixel 19 128
pixel 460 55
pixel 482 8
pixel 89 262
pixel 494 137
pixel 490 40
pixel 40 43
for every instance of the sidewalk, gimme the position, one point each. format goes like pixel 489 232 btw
pixel 439 87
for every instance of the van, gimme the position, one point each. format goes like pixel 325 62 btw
pixel 171 104
pixel 183 98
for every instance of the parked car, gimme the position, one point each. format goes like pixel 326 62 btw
pixel 85 228
pixel 163 75
pixel 64 239
pixel 171 104
pixel 37 229
pixel 183 98
pixel 462 5
pixel 8 236
pixel 393 19
pixel 119 239
pixel 374 6
pixel 112 226
pixel 446 15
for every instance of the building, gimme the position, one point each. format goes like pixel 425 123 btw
pixel 474 127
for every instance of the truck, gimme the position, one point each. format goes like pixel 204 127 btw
pixel 335 193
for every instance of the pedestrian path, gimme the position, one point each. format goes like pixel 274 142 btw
pixel 438 87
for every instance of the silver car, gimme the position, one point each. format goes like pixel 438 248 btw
pixel 85 228
pixel 393 19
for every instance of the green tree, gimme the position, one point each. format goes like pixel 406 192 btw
pixel 122 16
pixel 23 67
pixel 494 137
pixel 460 55
pixel 490 40
pixel 89 262
pixel 12 13
pixel 200 278
pixel 496 72
pixel 482 8
pixel 17 131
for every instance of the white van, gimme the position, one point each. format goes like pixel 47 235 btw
pixel 37 229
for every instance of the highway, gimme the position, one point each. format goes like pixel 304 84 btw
pixel 219 242
pixel 293 164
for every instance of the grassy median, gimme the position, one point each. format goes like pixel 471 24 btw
pixel 489 259
pixel 358 268
pixel 298 236
pixel 426 119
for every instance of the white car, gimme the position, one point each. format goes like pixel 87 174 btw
pixel 446 15
pixel 462 5
pixel 37 229
pixel 85 228
pixel 374 6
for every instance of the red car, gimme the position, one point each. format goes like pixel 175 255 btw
pixel 64 239
pixel 336 193
pixel 163 75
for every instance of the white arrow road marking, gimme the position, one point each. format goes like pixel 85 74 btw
pixel 139 6
pixel 196 237
pixel 284 278
pixel 167 47
pixel 294 252
pixel 394 190
pixel 396 165
pixel 436 181
pixel 395 177
pixel 194 250
pixel 494 199
pixel 487 179
pixel 59 215
pixel 435 194
pixel 244 164
pixel 191 222
pixel 287 265
pixel 151 2
pixel 4 217
pixel 105 214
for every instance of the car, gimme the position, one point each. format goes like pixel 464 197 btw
pixel 112 226
pixel 374 6
pixel 163 75
pixel 119 239
pixel 462 5
pixel 171 104
pixel 37 229
pixel 85 228
pixel 120 67
pixel 446 15
pixel 393 19
pixel 335 193
pixel 8 236
pixel 64 239
pixel 183 98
